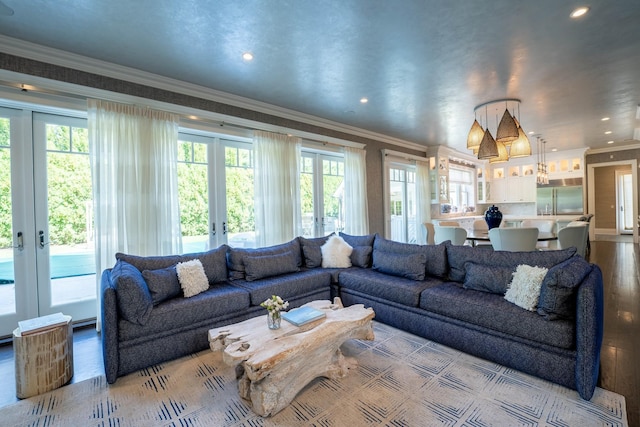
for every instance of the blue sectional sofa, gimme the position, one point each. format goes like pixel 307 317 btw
pixel 450 294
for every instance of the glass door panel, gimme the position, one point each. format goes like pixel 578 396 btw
pixel 193 193
pixel 307 195
pixel 333 194
pixel 239 226
pixel 7 277
pixel 65 257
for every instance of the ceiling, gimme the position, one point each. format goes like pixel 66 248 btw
pixel 423 65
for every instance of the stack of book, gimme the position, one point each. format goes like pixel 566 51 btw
pixel 40 324
pixel 303 315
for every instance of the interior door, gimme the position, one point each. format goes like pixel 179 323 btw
pixel 624 190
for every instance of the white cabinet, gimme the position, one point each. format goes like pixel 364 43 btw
pixel 513 184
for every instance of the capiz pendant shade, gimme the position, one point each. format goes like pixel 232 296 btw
pixel 507 129
pixel 475 136
pixel 488 147
pixel 521 146
pixel 503 155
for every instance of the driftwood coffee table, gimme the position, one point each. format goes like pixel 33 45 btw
pixel 272 366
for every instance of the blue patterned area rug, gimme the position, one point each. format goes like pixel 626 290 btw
pixel 401 380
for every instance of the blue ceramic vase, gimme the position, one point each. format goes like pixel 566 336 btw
pixel 493 216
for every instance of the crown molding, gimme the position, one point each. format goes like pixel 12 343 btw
pixel 634 146
pixel 62 58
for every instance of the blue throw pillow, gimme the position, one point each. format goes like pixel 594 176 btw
pixel 559 288
pixel 163 284
pixel 311 250
pixel 361 256
pixel 436 255
pixel 213 261
pixel 134 300
pixel 353 241
pixel 236 256
pixel 484 278
pixel 411 266
pixel 261 266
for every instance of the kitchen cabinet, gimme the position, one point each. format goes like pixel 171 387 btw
pixel 513 184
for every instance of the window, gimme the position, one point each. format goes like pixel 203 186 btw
pixel 193 193
pixel 461 188
pixel 240 216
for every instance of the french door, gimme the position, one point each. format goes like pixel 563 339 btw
pixel 47 261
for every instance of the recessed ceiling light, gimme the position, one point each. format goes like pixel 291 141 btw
pixel 581 11
pixel 609 142
pixel 554 149
pixel 247 56
pixel 608 132
pixel 363 100
pixel 531 132
pixel 604 119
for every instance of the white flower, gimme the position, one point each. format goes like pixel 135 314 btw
pixel 275 304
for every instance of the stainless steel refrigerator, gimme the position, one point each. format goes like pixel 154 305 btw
pixel 560 197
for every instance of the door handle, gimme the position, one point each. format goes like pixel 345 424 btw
pixel 224 228
pixel 41 242
pixel 20 240
pixel 213 228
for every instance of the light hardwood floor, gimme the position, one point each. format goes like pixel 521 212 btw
pixel 619 369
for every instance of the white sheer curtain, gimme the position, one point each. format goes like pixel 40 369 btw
pixel 356 210
pixel 133 154
pixel 277 187
pixel 423 200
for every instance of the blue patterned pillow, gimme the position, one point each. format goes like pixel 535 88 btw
pixel 361 256
pixel 411 266
pixel 353 241
pixel 213 261
pixel 487 278
pixel 163 284
pixel 261 266
pixel 459 255
pixel 236 256
pixel 436 255
pixel 311 250
pixel 134 300
pixel 559 288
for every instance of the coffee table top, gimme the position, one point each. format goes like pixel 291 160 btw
pixel 253 343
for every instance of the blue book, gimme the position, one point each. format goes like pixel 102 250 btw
pixel 302 315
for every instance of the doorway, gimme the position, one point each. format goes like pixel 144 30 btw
pixel 624 205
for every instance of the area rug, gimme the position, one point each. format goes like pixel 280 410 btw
pixel 401 380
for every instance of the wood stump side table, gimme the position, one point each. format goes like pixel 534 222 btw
pixel 44 360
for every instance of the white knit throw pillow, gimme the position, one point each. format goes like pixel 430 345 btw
pixel 524 289
pixel 192 278
pixel 336 253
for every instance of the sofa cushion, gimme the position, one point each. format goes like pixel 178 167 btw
pixel 236 256
pixel 180 314
pixel 213 261
pixel 260 266
pixel 361 256
pixel 311 250
pixel 286 286
pixel 459 255
pixel 559 288
pixel 163 284
pixel 436 259
pixel 366 240
pixel 134 299
pixel 524 289
pixel 192 278
pixel 391 288
pixel 487 278
pixel 412 266
pixel 336 253
pixel 492 311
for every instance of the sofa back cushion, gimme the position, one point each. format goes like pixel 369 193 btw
pixel 311 250
pixel 559 288
pixel 236 257
pixel 409 260
pixel 458 256
pixel 486 278
pixel 213 261
pixel 134 300
pixel 362 249
pixel 261 266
